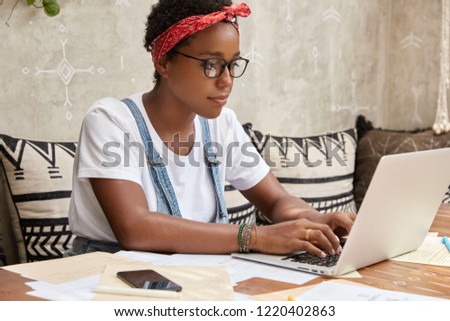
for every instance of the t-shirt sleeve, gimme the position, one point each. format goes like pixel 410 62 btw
pixel 108 146
pixel 245 168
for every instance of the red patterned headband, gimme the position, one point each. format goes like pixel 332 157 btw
pixel 190 25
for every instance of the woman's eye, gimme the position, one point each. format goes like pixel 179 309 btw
pixel 211 65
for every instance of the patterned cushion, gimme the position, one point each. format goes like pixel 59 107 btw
pixel 374 143
pixel 318 169
pixel 38 177
pixel 447 197
pixel 240 210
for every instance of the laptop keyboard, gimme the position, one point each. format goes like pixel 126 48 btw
pixel 308 258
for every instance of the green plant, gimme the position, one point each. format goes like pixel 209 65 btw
pixel 50 7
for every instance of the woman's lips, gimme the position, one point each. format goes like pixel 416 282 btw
pixel 220 100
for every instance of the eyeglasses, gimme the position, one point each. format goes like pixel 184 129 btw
pixel 214 67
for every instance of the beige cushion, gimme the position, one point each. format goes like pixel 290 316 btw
pixel 38 184
pixel 240 210
pixel 319 169
pixel 38 180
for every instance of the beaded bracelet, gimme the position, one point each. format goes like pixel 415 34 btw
pixel 248 236
pixel 244 237
pixel 256 239
pixel 241 230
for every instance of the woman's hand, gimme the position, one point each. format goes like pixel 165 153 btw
pixel 299 235
pixel 339 222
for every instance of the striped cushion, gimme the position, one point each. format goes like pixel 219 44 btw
pixel 240 210
pixel 318 169
pixel 447 197
pixel 39 182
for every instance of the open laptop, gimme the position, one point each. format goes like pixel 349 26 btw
pixel 400 204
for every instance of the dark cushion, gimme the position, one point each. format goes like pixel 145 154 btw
pixel 374 143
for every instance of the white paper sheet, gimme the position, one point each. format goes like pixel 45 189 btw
pixel 335 291
pixel 431 252
pixel 239 270
pixel 77 290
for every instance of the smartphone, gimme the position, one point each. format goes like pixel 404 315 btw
pixel 148 279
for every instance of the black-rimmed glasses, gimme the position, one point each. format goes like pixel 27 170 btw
pixel 214 67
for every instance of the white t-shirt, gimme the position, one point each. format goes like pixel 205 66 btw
pixel 110 146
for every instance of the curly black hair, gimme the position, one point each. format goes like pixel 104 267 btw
pixel 168 12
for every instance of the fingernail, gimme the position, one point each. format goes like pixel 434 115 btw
pixel 339 250
pixel 332 252
pixel 322 255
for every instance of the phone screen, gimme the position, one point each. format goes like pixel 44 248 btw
pixel 148 279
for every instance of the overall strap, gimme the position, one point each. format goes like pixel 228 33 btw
pixel 213 170
pixel 166 198
pixel 165 195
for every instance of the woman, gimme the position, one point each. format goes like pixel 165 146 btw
pixel 172 201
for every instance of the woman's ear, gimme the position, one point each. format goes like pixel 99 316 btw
pixel 161 66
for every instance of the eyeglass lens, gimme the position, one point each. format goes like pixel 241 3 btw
pixel 215 67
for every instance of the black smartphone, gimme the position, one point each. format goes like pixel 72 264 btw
pixel 148 279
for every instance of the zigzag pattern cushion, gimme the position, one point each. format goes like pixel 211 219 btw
pixel 318 169
pixel 240 210
pixel 39 181
pixel 447 197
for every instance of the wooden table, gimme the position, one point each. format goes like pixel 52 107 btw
pixel 392 275
pixel 13 287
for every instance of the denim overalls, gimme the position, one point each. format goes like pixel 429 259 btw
pixel 165 195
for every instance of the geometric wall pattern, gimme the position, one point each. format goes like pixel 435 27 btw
pixel 315 64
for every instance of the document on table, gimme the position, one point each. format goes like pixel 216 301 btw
pixel 75 278
pixel 76 290
pixel 338 291
pixel 284 295
pixel 206 283
pixel 239 270
pixel 68 269
pixel 432 252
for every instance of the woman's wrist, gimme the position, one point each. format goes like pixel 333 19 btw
pixel 247 237
pixel 291 208
pixel 254 239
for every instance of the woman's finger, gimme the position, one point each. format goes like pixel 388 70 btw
pixel 311 248
pixel 320 235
